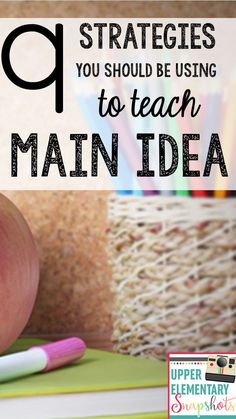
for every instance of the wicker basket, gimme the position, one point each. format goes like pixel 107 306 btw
pixel 174 274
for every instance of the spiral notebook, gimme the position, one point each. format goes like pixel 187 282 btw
pixel 102 384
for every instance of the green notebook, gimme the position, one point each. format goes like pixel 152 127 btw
pixel 102 384
pixel 155 415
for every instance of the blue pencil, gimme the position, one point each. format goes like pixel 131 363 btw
pixel 88 104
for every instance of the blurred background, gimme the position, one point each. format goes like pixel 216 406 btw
pixel 71 228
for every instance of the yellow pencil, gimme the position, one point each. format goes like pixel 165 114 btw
pixel 228 133
pixel 220 194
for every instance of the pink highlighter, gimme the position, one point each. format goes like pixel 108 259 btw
pixel 41 358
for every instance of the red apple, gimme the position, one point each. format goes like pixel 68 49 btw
pixel 19 273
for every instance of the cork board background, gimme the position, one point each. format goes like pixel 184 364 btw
pixel 70 227
pixel 118 8
pixel 74 293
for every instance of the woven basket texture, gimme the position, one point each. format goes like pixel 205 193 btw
pixel 174 274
